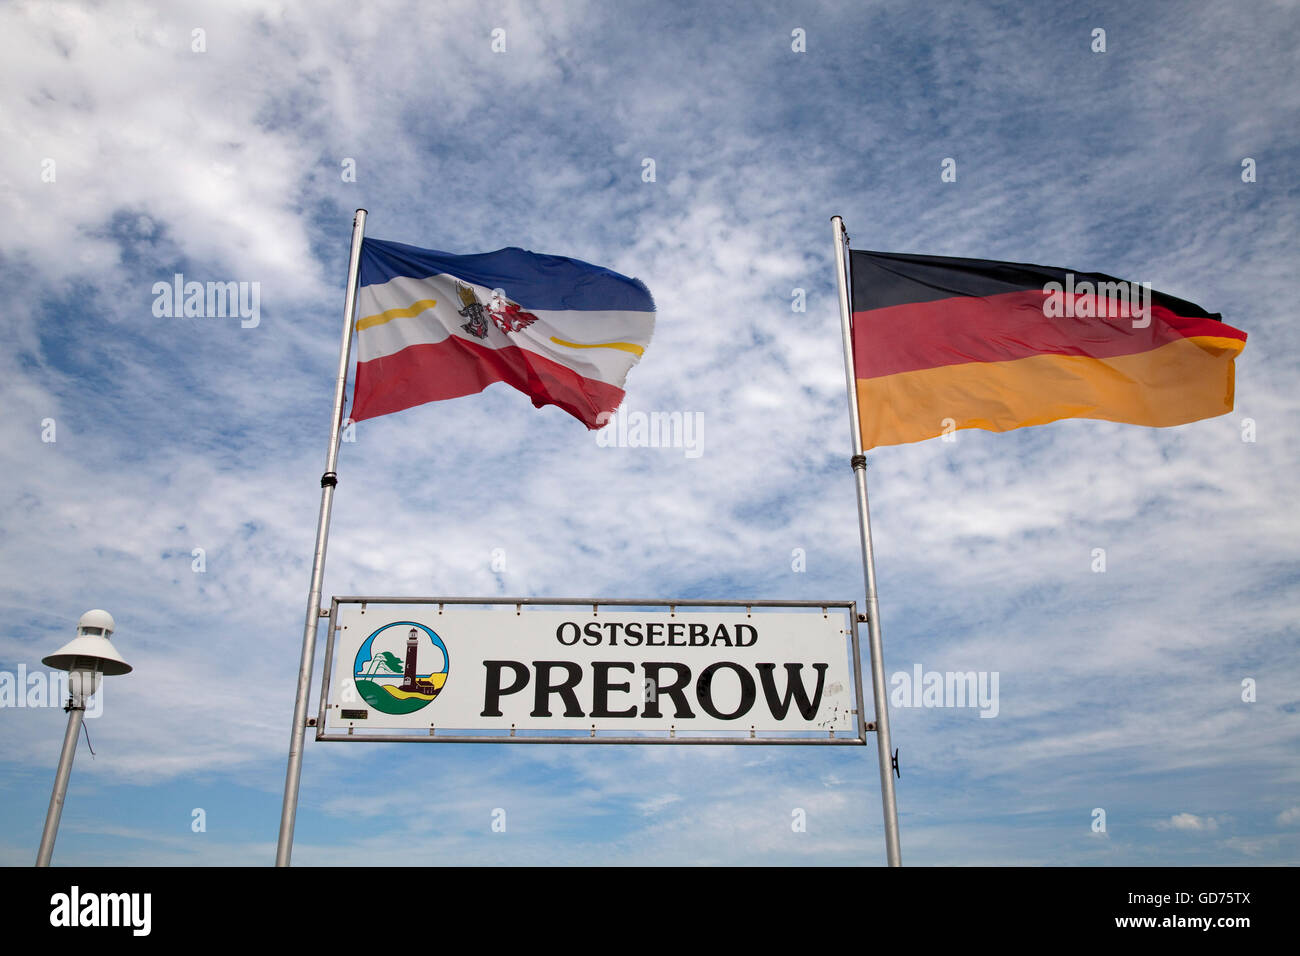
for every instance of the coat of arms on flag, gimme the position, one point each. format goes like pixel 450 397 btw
pixel 433 326
pixel 506 314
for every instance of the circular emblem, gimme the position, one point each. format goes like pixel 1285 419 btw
pixel 400 668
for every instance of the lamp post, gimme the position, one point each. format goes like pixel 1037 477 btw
pixel 87 658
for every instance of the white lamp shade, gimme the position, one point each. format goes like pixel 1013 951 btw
pixel 88 653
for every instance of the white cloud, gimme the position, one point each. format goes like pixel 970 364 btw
pixel 1190 822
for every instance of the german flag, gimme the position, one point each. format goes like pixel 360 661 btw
pixel 941 344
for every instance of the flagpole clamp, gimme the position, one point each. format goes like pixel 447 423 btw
pixel 329 479
pixel 858 461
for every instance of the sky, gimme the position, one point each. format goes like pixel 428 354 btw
pixel 1161 691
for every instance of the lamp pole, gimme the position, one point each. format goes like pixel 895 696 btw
pixel 88 658
pixel 76 708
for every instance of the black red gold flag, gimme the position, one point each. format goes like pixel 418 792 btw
pixel 941 344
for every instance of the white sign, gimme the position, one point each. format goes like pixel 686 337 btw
pixel 416 667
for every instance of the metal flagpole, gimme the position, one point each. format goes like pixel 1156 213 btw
pixel 859 461
pixel 328 480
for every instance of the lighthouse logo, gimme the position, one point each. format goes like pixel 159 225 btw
pixel 400 668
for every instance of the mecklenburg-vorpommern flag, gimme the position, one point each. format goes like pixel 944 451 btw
pixel 433 326
pixel 942 343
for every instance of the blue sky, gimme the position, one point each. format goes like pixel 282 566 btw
pixel 1119 690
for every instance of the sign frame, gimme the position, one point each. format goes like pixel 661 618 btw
pixel 524 736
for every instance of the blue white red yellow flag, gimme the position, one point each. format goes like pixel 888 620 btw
pixel 432 326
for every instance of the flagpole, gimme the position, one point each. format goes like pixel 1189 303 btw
pixel 884 746
pixel 293 775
